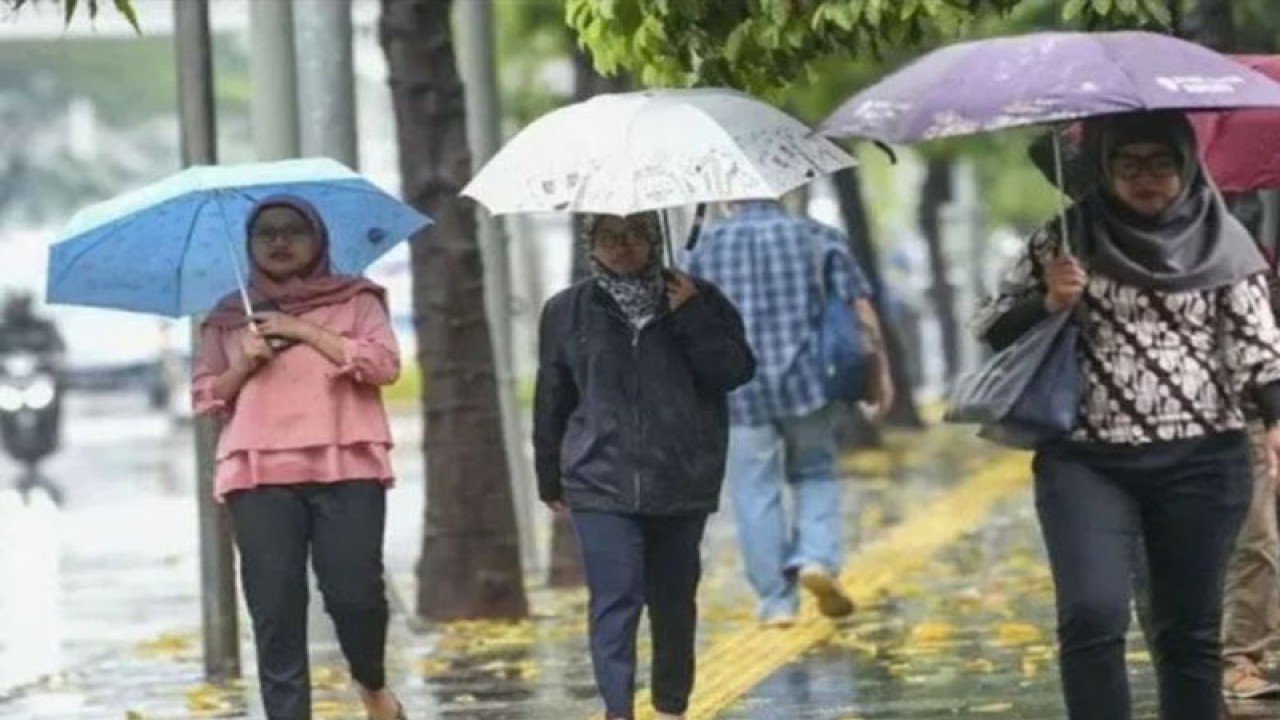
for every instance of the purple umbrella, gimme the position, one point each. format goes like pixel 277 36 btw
pixel 1046 77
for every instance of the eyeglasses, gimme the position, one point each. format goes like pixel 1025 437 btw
pixel 614 241
pixel 1161 166
pixel 288 233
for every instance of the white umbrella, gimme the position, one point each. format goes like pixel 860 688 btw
pixel 654 149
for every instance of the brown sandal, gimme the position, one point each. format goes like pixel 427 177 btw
pixel 399 711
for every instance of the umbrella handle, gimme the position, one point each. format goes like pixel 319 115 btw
pixel 696 230
pixel 664 225
pixel 884 147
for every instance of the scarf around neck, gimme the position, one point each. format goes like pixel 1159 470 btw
pixel 641 295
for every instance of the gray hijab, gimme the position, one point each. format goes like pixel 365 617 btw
pixel 641 295
pixel 1195 244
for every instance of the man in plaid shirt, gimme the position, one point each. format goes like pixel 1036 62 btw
pixel 770 265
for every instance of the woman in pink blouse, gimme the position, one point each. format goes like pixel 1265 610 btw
pixel 302 459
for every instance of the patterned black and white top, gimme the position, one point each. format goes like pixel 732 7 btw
pixel 1158 366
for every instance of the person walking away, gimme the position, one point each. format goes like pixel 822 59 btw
pixel 303 454
pixel 630 431
pixel 1176 328
pixel 1251 612
pixel 778 269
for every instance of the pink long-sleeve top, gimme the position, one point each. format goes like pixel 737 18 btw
pixel 301 418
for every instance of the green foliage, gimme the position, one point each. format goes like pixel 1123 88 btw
pixel 1257 25
pixel 1116 14
pixel 762 46
pixel 533 43
pixel 1014 192
pixel 811 55
pixel 70 7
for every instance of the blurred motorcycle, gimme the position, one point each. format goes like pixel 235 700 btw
pixel 30 400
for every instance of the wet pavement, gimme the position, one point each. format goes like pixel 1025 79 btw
pixel 955 621
pixel 970 634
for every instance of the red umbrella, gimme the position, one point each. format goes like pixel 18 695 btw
pixel 1241 148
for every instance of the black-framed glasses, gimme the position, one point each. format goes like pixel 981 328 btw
pixel 1160 166
pixel 286 233
pixel 612 240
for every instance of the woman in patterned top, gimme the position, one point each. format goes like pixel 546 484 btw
pixel 1172 294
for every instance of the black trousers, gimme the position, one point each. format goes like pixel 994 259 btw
pixel 1186 500
pixel 340 525
pixel 633 562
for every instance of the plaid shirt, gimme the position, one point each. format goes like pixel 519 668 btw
pixel 766 262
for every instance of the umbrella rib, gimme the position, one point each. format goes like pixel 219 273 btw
pixel 186 248
pixel 631 126
pixel 241 286
pixel 241 192
pixel 359 185
pixel 732 142
pixel 362 186
pixel 118 226
pixel 1106 50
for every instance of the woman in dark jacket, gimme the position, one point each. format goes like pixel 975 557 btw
pixel 630 434
pixel 1177 329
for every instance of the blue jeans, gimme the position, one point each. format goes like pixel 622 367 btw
pixel 799 453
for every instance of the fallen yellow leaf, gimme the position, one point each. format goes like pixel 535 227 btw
pixel 932 632
pixel 1018 633
pixel 981 665
pixel 166 644
pixel 433 666
pixel 1030 668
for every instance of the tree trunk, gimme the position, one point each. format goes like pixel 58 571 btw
pixel 1210 23
pixel 1176 16
pixel 935 193
pixel 470 564
pixel 566 562
pixel 904 412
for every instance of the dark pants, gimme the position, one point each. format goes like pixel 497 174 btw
pixel 340 525
pixel 1186 499
pixel 633 562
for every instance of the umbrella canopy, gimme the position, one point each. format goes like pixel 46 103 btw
pixel 999 83
pixel 1241 148
pixel 627 153
pixel 176 247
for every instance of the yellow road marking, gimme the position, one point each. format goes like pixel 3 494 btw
pixel 736 663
